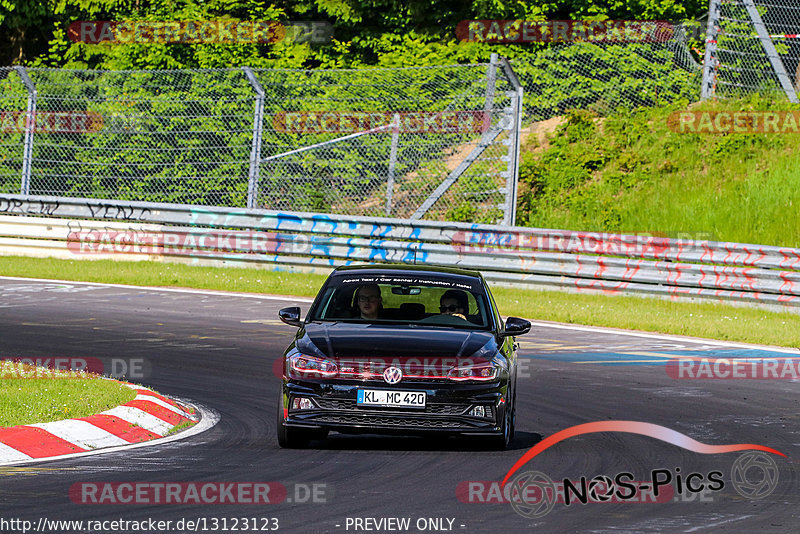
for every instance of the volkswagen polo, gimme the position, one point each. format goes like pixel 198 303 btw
pixel 400 350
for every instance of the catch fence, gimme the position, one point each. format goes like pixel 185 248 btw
pixel 416 142
pixel 435 143
pixel 752 46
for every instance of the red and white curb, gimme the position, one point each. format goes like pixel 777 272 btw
pixel 145 420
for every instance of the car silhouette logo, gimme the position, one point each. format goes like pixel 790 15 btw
pixel 392 375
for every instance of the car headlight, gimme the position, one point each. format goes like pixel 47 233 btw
pixel 483 372
pixel 312 366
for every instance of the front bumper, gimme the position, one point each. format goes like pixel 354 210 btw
pixel 446 410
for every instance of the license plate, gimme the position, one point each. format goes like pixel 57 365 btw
pixel 380 397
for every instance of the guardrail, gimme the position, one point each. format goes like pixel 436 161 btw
pixel 612 263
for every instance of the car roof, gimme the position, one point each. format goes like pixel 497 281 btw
pixel 403 268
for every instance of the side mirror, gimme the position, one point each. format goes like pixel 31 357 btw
pixel 516 327
pixel 291 316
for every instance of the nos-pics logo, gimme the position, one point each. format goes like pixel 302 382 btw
pixel 533 494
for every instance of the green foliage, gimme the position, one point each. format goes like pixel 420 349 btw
pixel 648 178
pixel 464 212
pixel 562 174
pixel 374 32
pixel 163 159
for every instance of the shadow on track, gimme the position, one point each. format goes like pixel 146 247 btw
pixel 374 442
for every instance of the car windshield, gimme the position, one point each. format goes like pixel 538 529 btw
pixel 458 302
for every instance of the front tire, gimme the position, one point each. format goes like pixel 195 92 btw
pixel 508 426
pixel 289 438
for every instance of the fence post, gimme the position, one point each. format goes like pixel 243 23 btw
pixel 255 152
pixel 514 127
pixel 510 217
pixel 486 140
pixel 392 163
pixel 769 48
pixel 30 126
pixel 491 79
pixel 710 61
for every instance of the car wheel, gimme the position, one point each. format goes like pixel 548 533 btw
pixel 501 442
pixel 513 419
pixel 289 438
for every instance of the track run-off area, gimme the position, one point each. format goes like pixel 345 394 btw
pixel 218 351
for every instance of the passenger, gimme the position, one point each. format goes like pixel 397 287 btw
pixel 369 301
pixel 454 302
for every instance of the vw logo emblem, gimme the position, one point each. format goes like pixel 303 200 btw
pixel 392 375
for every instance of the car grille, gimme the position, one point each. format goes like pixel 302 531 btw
pixel 394 421
pixel 442 409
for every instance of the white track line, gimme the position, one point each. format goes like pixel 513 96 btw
pixel 165 289
pixel 666 337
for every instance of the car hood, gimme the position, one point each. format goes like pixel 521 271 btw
pixel 369 341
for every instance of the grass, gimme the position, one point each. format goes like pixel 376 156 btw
pixel 716 321
pixel 149 273
pixel 180 427
pixel 30 394
pixel 631 173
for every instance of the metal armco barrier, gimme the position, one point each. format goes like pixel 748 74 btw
pixel 77 228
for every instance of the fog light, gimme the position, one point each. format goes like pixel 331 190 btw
pixel 478 411
pixel 302 403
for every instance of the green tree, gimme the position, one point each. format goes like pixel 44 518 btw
pixel 366 32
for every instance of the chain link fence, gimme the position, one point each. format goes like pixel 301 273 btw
pixel 439 143
pixel 605 78
pixel 13 98
pixel 366 142
pixel 753 46
pixel 381 141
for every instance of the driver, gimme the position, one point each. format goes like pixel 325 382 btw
pixel 369 301
pixel 454 302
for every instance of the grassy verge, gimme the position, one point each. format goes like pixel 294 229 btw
pixel 31 394
pixel 149 273
pixel 715 321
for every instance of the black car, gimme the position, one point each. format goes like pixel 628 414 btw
pixel 400 350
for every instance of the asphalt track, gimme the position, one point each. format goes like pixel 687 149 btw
pixel 218 350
